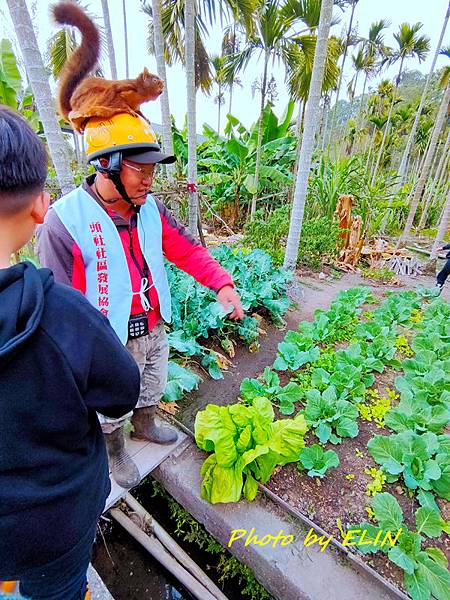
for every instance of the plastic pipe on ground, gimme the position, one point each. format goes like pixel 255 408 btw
pixel 173 547
pixel 156 549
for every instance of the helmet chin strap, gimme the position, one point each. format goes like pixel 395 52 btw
pixel 117 181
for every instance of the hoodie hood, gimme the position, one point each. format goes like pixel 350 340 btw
pixel 22 291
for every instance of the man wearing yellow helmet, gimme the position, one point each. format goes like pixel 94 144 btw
pixel 108 239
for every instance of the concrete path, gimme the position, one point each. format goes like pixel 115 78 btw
pixel 98 589
pixel 146 456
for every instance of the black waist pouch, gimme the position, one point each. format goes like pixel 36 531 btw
pixel 137 326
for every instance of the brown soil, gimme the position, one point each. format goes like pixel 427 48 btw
pixel 333 496
pixel 244 364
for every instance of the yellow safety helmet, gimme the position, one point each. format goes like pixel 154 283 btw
pixel 124 133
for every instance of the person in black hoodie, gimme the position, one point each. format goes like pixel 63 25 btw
pixel 60 362
pixel 441 277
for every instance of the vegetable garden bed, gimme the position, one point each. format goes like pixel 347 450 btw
pixel 389 432
pixel 201 337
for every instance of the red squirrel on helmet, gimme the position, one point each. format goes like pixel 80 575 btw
pixel 81 97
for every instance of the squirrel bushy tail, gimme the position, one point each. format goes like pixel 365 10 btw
pixel 83 59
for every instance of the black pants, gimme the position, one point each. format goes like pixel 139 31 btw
pixel 442 275
pixel 64 578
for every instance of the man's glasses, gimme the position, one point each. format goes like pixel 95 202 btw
pixel 149 171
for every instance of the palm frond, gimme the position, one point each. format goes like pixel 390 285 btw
pixel 243 12
pixel 445 51
pixel 410 43
pixel 203 77
pixel 236 62
pixel 444 77
pixel 307 11
pixel 60 47
pixel 271 24
pixel 299 60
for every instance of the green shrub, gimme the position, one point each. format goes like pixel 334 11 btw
pixel 383 274
pixel 269 233
pixel 319 238
pixel 319 241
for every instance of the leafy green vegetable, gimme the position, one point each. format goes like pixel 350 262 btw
pixel 429 522
pixel 346 380
pixel 337 324
pixel 427 499
pixel 247 444
pixel 429 577
pixel 270 388
pixel 421 459
pixel 425 571
pixel 295 351
pixel 179 381
pixel 209 361
pixel 387 511
pixel 196 314
pixel 415 415
pixel 317 460
pixel 397 308
pixel 326 413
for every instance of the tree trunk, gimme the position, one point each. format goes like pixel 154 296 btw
pixel 383 142
pixel 76 145
pixel 412 135
pixel 338 91
pixel 372 142
pixel 189 54
pixel 360 109
pixel 41 91
pixel 259 142
pixel 125 38
pixel 158 39
pixel 109 40
pixel 231 99
pixel 388 124
pixel 218 110
pixel 326 114
pixel 83 149
pixel 235 209
pixel 301 114
pixel 342 143
pixel 443 226
pixel 416 165
pixel 302 119
pixel 321 122
pixel 414 169
pixel 440 154
pixel 443 176
pixel 427 164
pixel 233 49
pixel 311 122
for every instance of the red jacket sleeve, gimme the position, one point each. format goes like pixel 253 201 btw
pixel 188 255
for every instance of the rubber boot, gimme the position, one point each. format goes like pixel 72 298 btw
pixel 145 427
pixel 122 466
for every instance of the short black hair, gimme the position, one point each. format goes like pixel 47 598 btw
pixel 23 162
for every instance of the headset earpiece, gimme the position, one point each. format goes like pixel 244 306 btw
pixel 113 165
pixel 111 169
